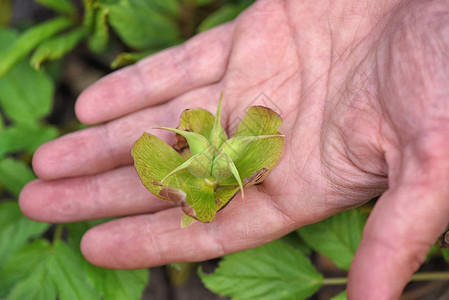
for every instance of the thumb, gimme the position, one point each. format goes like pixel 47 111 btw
pixel 402 227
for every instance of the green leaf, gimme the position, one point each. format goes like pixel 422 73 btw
pixel 116 284
pixel 141 24
pixel 41 270
pixel 237 146
pixel 68 278
pixel 201 198
pixel 258 154
pixel 26 95
pixel 336 237
pixel 445 253
pixel 342 296
pixel 197 120
pixel 89 15
pixel 98 41
pixel 154 159
pixel 203 2
pixel 294 240
pixel 194 196
pixel 62 6
pixel 5 12
pixel 432 251
pixel 77 230
pixel 110 284
pixel 20 266
pixel 15 229
pixel 7 37
pixel 259 120
pixel 273 271
pixel 186 221
pixel 29 40
pixel 14 174
pixel 170 8
pixel 25 137
pixel 55 69
pixel 224 14
pixel 129 58
pixel 224 194
pixel 34 287
pixel 56 47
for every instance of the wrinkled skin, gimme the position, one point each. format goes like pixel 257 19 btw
pixel 363 88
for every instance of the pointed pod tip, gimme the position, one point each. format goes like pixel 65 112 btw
pixel 218 113
pixel 162 127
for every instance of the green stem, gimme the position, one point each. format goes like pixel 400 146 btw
pixel 335 281
pixel 422 276
pixel 58 232
pixel 430 276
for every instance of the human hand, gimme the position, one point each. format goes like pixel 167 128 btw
pixel 363 91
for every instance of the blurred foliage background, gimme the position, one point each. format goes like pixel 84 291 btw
pixel 51 50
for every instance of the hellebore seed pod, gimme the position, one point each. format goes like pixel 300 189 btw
pixel 204 170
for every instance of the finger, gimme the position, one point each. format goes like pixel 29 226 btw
pixel 100 148
pixel 156 239
pixel 115 193
pixel 403 226
pixel 200 61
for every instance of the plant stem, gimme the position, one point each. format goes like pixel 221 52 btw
pixel 335 281
pixel 430 276
pixel 422 276
pixel 58 232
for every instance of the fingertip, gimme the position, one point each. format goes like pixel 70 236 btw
pixel 38 203
pixel 92 103
pixel 71 155
pixel 41 161
pixel 49 159
pixel 29 200
pixel 369 276
pixel 396 240
pixel 110 97
pixel 103 246
pixel 90 248
pixel 83 115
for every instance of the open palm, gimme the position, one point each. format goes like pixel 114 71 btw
pixel 362 89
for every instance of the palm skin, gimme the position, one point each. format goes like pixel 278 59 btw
pixel 363 92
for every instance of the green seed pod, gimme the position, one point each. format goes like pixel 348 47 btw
pixel 209 169
pixel 223 167
pixel 197 143
pixel 199 165
pixel 217 135
pixel 220 167
pixel 236 146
